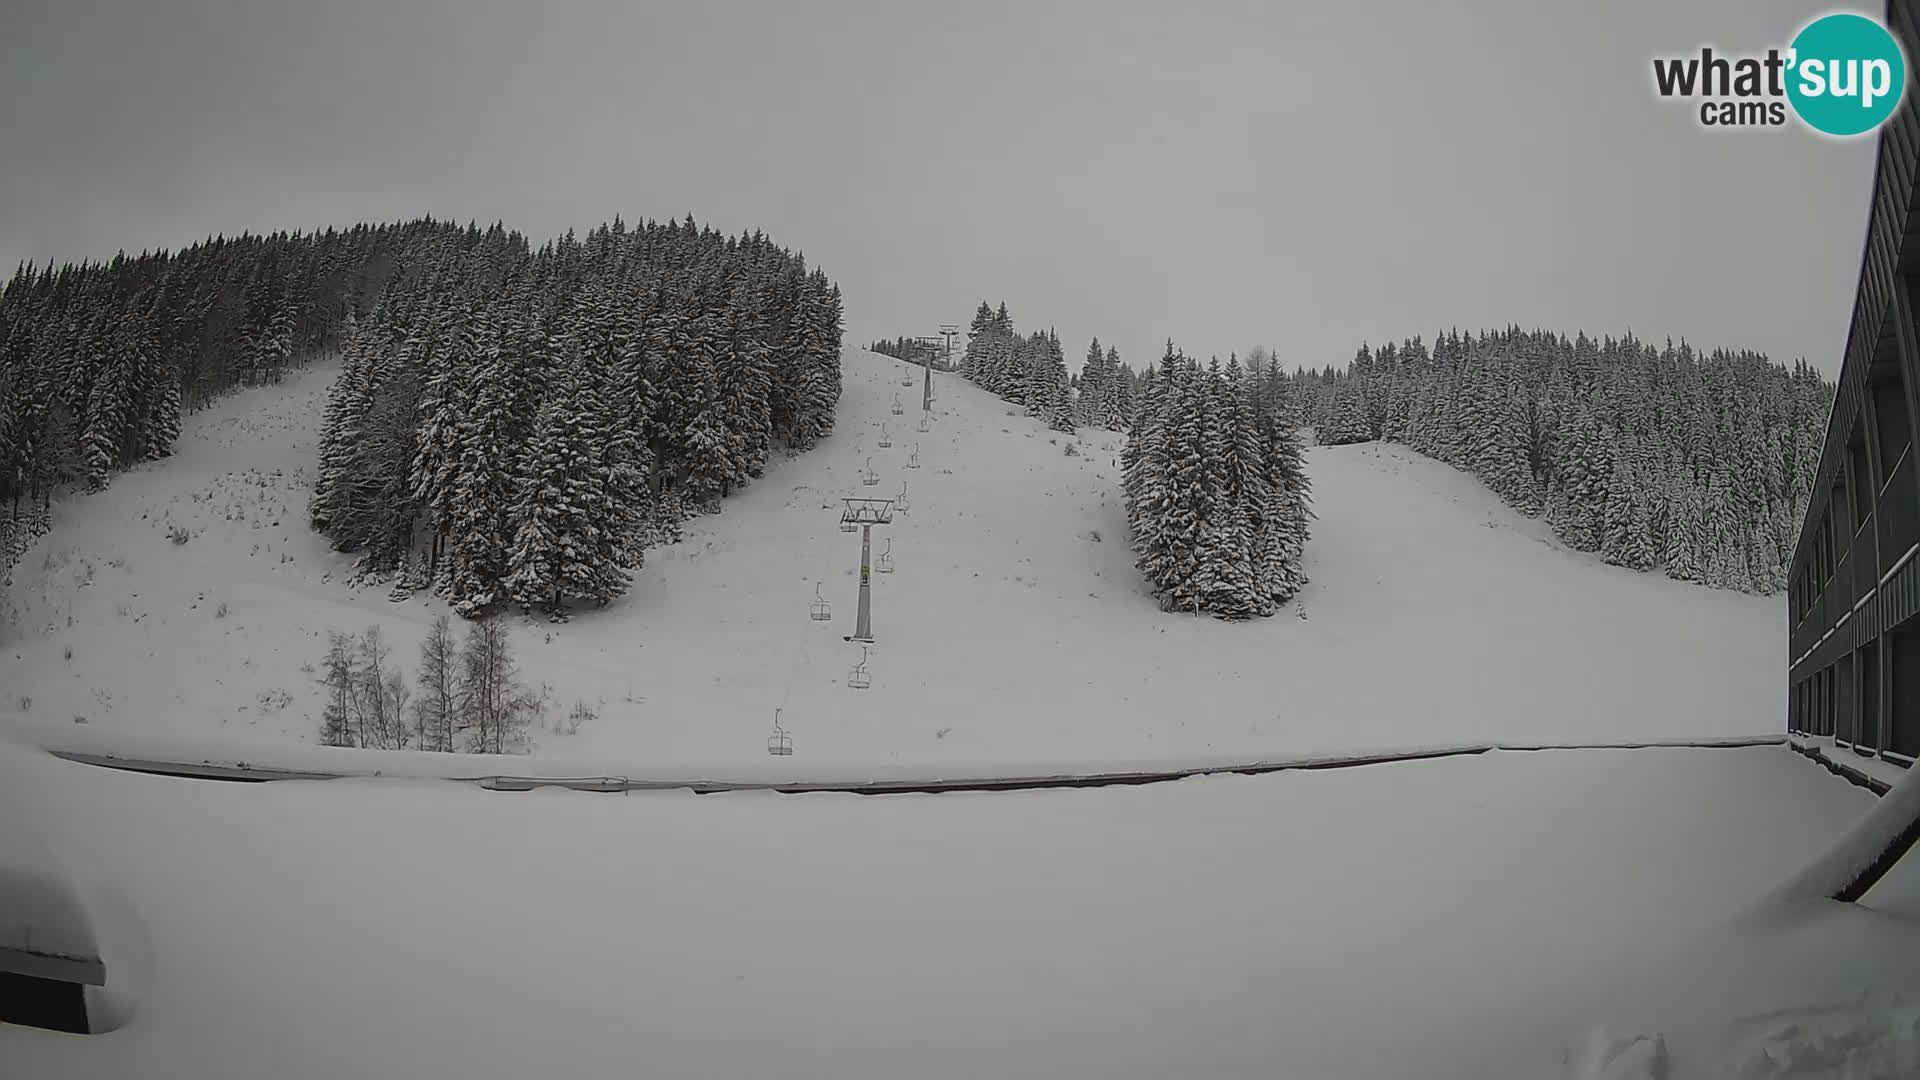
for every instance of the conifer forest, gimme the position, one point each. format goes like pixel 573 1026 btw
pixel 510 425
pixel 1695 464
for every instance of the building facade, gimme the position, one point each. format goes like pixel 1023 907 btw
pixel 1853 587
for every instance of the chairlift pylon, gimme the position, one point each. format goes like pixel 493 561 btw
pixel 886 440
pixel 913 459
pixel 859 678
pixel 819 610
pixel 884 564
pixel 779 744
pixel 869 477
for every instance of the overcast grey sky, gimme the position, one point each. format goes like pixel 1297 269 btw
pixel 1225 174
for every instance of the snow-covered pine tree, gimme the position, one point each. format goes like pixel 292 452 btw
pixel 1089 404
pixel 1229 581
pixel 109 408
pixel 557 542
pixel 1291 513
pixel 447 362
pixel 1117 403
pixel 1051 391
pixel 474 559
pixel 1147 464
pixel 973 360
pixel 1215 492
pixel 1347 416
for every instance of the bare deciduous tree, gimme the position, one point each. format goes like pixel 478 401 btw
pixel 336 726
pixel 473 690
pixel 381 696
pixel 441 707
pixel 499 708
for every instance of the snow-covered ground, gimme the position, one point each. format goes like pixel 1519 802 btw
pixel 1471 917
pixel 1014 632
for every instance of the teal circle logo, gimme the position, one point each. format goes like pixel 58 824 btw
pixel 1846 74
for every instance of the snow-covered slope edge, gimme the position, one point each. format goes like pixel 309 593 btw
pixel 226 758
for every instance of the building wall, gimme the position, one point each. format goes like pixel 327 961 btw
pixel 1854 585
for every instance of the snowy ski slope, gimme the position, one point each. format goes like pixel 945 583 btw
pixel 1013 634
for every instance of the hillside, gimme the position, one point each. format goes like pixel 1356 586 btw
pixel 1014 629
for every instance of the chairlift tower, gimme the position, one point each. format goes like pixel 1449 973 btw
pixel 866 513
pixel 780 743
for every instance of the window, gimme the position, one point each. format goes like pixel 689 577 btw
pixel 1903 693
pixel 1844 713
pixel 1837 519
pixel 1861 481
pixel 1868 723
pixel 1893 430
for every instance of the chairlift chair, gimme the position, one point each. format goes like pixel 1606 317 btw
pixel 820 610
pixel 897 407
pixel 869 477
pixel 884 564
pixel 886 440
pixel 926 422
pixel 779 744
pixel 859 678
pixel 913 459
pixel 900 501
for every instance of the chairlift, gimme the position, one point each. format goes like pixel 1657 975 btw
pixel 820 610
pixel 869 477
pixel 913 459
pixel 900 501
pixel 886 440
pixel 884 564
pixel 779 744
pixel 859 678
pixel 897 407
pixel 926 422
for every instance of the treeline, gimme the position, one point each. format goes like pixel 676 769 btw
pixel 911 350
pixel 99 359
pixel 1028 370
pixel 1696 464
pixel 1216 489
pixel 515 426
pixel 1104 391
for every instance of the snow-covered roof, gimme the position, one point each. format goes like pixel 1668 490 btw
pixel 44 930
pixel 1472 916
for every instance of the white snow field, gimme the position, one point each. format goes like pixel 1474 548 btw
pixel 1014 634
pixel 1475 918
